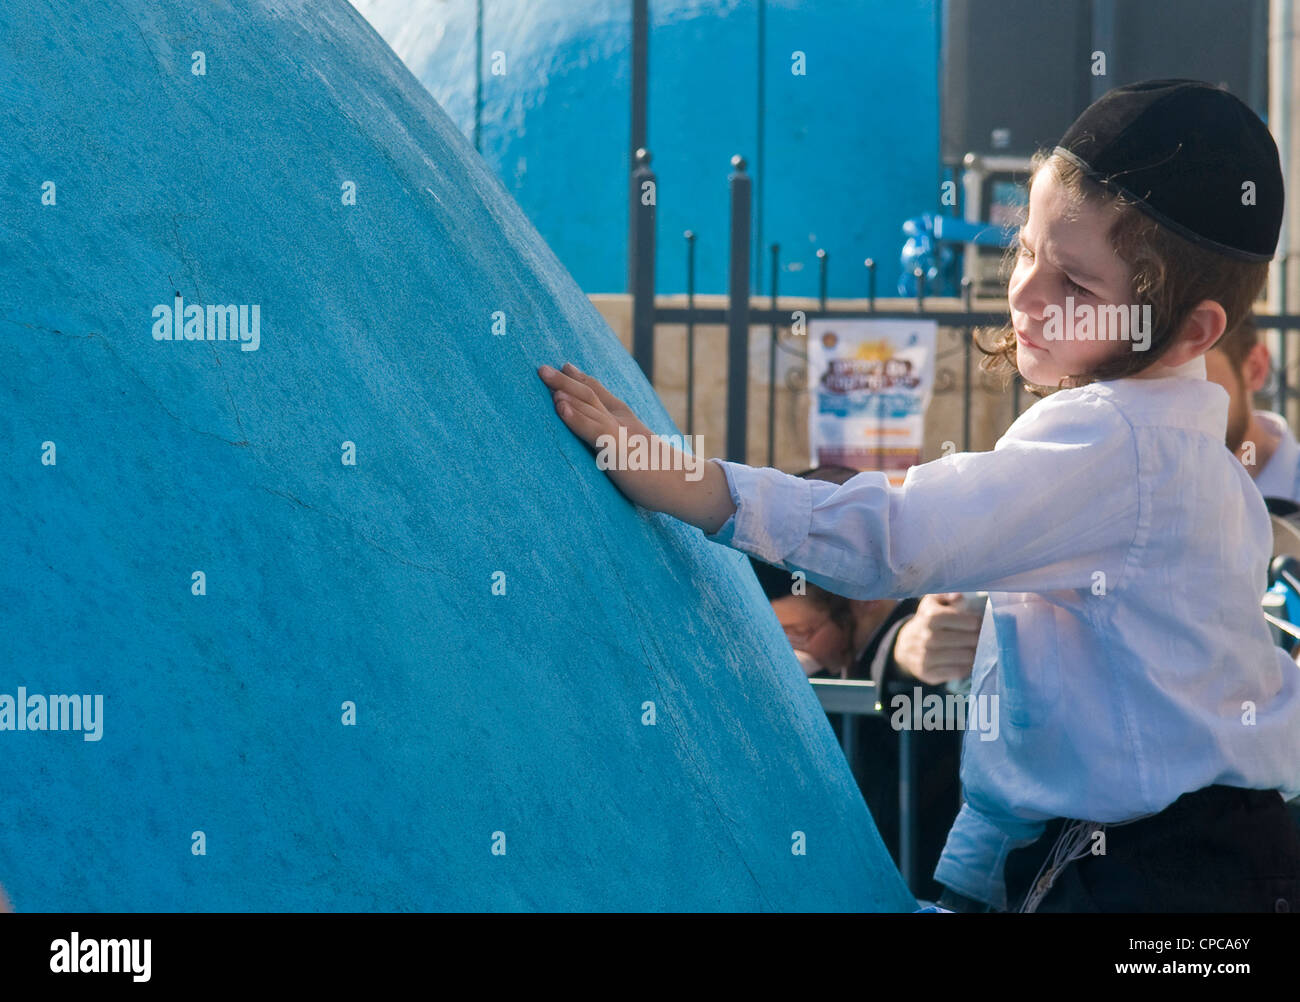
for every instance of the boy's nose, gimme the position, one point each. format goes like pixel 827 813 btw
pixel 1025 294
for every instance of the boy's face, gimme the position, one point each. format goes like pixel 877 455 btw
pixel 1064 252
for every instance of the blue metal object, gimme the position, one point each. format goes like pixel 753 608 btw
pixel 934 245
pixel 1282 601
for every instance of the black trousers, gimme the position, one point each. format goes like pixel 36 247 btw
pixel 1220 849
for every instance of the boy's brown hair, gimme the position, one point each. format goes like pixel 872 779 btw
pixel 1169 273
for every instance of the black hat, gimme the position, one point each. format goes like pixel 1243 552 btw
pixel 1184 150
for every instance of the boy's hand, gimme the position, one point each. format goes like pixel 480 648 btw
pixel 588 409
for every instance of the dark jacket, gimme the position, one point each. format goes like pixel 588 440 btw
pixel 876 762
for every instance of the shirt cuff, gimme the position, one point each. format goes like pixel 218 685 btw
pixel 975 856
pixel 725 534
pixel 773 512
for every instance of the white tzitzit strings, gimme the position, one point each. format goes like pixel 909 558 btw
pixel 1074 842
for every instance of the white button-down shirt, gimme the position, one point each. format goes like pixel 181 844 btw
pixel 1125 550
pixel 1280 477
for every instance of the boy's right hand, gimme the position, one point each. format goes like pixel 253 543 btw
pixel 586 407
pixel 591 412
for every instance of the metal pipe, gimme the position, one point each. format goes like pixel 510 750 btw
pixel 641 262
pixel 967 291
pixel 1282 94
pixel 907 806
pixel 771 364
pixel 640 75
pixel 738 314
pixel 760 113
pixel 690 334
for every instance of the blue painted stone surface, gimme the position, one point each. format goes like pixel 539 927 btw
pixel 475 713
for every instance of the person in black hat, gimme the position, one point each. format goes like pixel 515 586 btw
pixel 1146 721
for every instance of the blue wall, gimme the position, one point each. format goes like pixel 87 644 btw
pixel 329 583
pixel 850 150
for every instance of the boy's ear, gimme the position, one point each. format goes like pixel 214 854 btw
pixel 1255 367
pixel 1202 328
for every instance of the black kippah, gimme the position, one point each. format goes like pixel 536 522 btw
pixel 1184 150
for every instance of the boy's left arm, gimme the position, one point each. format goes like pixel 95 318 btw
pixel 1055 502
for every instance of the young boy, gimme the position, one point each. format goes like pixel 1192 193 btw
pixel 1147 721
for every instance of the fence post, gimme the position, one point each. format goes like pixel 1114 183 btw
pixel 1283 305
pixel 908 804
pixel 738 314
pixel 968 334
pixel 771 362
pixel 690 334
pixel 640 74
pixel 641 262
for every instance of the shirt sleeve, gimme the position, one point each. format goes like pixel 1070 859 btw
pixel 1055 502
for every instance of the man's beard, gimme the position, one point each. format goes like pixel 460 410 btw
pixel 1238 423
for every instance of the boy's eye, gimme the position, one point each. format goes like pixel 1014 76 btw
pixel 1076 287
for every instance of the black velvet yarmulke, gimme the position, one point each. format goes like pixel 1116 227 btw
pixel 1192 156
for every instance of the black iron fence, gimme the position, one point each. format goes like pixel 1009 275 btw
pixel 743 312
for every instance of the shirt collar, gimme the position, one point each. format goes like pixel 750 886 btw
pixel 1192 369
pixel 1181 400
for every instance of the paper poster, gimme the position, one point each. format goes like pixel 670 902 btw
pixel 869 382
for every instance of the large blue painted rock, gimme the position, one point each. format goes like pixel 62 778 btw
pixel 357 622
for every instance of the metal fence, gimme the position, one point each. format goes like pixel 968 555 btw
pixel 743 311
